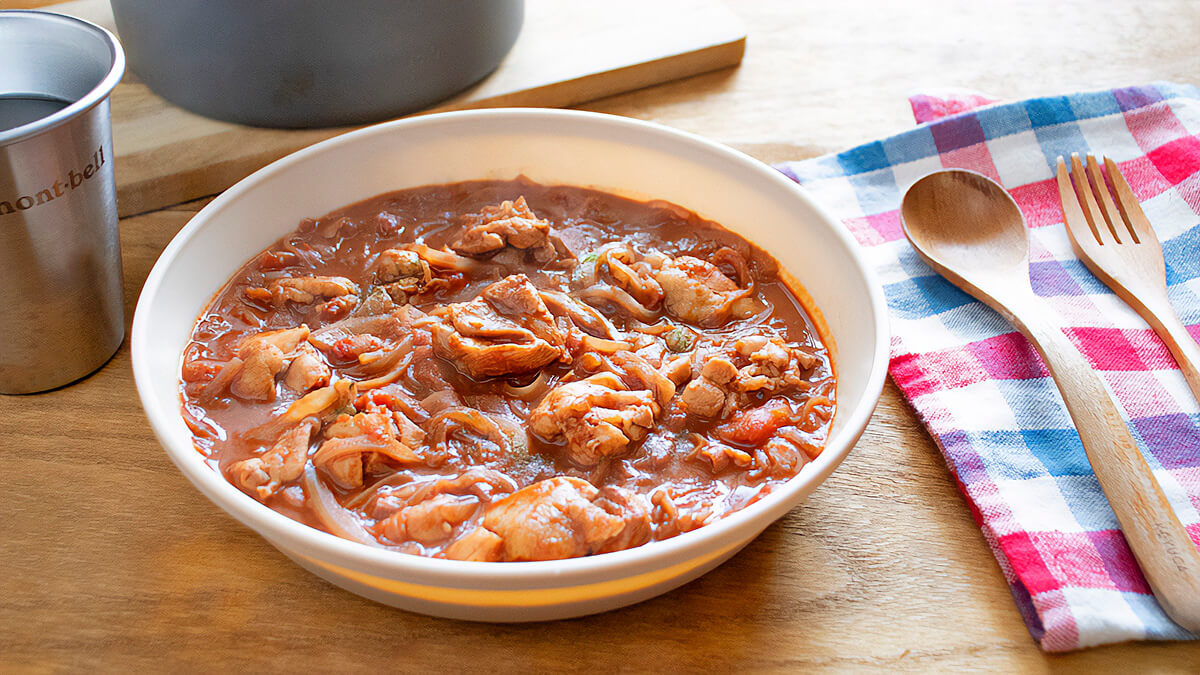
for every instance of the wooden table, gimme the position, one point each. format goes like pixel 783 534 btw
pixel 109 558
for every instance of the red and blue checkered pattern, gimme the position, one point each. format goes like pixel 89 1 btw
pixel 981 389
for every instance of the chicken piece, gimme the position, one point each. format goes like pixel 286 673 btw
pixel 596 417
pixel 774 364
pixel 282 463
pixel 307 370
pixel 677 369
pixel 682 508
pixel 264 355
pixel 708 394
pixel 561 518
pixel 322 404
pixel 510 223
pixel 429 511
pixel 414 269
pixel 696 291
pixel 634 509
pixel 305 290
pixel 403 270
pixel 357 444
pixel 353 336
pixel 725 379
pixel 515 296
pixel 480 544
pixel 507 330
pixel 431 521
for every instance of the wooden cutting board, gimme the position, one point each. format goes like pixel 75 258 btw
pixel 567 53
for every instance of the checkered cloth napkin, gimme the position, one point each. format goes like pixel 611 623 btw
pixel 981 389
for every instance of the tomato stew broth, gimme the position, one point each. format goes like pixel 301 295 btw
pixel 502 370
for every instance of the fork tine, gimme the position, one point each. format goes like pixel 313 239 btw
pixel 1116 222
pixel 1091 210
pixel 1073 216
pixel 1128 203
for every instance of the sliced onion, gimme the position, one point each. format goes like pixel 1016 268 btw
pixel 390 376
pixel 444 259
pixel 601 345
pixel 532 391
pixel 217 386
pixel 395 479
pixel 586 317
pixel 734 259
pixel 619 297
pixel 473 419
pixel 655 329
pixel 439 401
pixel 645 289
pixel 336 518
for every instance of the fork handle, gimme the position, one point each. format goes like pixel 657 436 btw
pixel 1163 549
pixel 1157 311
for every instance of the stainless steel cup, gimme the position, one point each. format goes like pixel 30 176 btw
pixel 61 312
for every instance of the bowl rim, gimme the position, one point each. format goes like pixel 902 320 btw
pixel 280 529
pixel 94 96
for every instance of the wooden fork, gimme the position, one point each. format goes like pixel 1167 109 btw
pixel 1117 243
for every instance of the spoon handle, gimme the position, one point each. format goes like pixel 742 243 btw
pixel 1163 549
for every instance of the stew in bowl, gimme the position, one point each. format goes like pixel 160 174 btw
pixel 508 371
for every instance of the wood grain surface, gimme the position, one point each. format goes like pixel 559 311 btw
pixel 565 54
pixel 110 560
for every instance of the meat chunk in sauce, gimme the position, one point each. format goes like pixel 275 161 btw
pixel 307 370
pixel 345 341
pixel 360 444
pixel 507 330
pixel 510 223
pixel 595 417
pixel 282 463
pixel 471 390
pixel 305 290
pixel 263 356
pixel 687 287
pixel 403 273
pixel 429 512
pixel 696 291
pixel 558 518
pixel 726 378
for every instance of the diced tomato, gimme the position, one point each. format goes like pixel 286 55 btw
pixel 377 398
pixel 348 348
pixel 753 427
pixel 337 307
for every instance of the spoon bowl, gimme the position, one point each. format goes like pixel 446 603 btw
pixel 964 224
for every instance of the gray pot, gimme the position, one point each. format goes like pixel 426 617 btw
pixel 311 63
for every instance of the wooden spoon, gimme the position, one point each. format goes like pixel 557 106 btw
pixel 970 230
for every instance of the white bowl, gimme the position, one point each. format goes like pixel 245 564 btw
pixel 616 154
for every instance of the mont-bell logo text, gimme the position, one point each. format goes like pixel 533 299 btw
pixel 59 188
